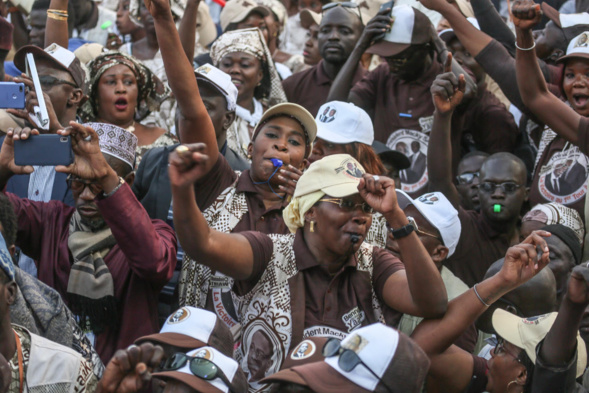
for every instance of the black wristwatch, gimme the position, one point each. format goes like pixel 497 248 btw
pixel 405 230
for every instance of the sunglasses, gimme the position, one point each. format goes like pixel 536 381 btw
pixel 507 187
pixel 49 81
pixel 200 367
pixel 348 359
pixel 467 178
pixel 349 205
pixel 78 185
pixel 348 5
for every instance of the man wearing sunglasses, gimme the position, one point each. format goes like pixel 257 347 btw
pixel 467 179
pixel 339 30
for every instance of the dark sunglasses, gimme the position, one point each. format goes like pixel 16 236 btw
pixel 467 178
pixel 50 81
pixel 349 205
pixel 348 359
pixel 348 5
pixel 78 185
pixel 507 187
pixel 200 367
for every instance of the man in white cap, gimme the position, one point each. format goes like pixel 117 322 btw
pixel 105 256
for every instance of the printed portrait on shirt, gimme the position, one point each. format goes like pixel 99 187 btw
pixel 263 354
pixel 564 178
pixel 414 145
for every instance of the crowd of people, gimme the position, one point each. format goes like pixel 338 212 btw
pixel 296 196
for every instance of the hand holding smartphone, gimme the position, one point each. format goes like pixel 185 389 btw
pixel 387 5
pixel 12 95
pixel 44 150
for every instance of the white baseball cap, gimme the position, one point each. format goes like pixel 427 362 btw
pixel 191 327
pixel 439 212
pixel 221 81
pixel 578 47
pixel 342 122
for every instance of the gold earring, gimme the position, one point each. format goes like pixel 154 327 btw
pixel 249 156
pixel 509 384
pixel 312 226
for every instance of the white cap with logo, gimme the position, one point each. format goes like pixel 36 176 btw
pixel 342 122
pixel 439 212
pixel 221 81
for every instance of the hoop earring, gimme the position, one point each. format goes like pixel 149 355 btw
pixel 312 226
pixel 509 385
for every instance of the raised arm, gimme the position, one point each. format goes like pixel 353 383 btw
pixel 231 254
pixel 341 86
pixel 522 262
pixel 187 29
pixel 195 124
pixel 403 290
pixel 492 23
pixel 447 92
pixel 56 30
pixel 532 86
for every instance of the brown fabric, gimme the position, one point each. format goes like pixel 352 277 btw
pixel 310 88
pixel 478 247
pixel 478 382
pixel 328 299
pixel 570 188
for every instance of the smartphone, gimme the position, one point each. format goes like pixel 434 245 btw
pixel 45 149
pixel 12 95
pixel 387 5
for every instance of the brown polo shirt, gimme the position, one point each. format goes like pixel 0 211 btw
pixel 334 304
pixel 478 248
pixel 310 88
pixel 562 171
pixel 257 218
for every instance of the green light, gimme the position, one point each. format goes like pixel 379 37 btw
pixel 497 208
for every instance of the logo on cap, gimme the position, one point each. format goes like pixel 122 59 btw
pixel 328 115
pixel 355 343
pixel 582 41
pixel 203 70
pixel 428 199
pixel 179 316
pixel 533 320
pixel 204 354
pixel 304 350
pixel 350 169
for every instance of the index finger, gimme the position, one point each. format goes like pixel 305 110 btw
pixel 537 238
pixel 448 64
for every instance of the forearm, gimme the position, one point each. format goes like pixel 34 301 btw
pixel 341 86
pixel 492 23
pixel 187 29
pixel 155 259
pixel 56 31
pixel 421 272
pixel 439 158
pixel 561 341
pixel 434 336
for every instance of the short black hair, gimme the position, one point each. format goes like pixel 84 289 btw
pixel 8 220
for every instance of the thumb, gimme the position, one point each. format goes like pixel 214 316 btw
pixel 448 63
pixel 461 83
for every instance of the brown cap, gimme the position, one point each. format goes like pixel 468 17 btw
pixel 191 327
pixel 6 29
pixel 59 56
pixel 390 354
pixel 236 11
pixel 571 24
pixel 411 27
pixel 309 350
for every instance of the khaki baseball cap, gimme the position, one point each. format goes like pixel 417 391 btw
pixel 236 11
pixel 294 110
pixel 207 32
pixel 526 333
pixel 337 175
pixel 309 18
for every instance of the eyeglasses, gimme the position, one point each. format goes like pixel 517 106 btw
pixel 348 359
pixel 421 231
pixel 467 178
pixel 349 205
pixel 50 81
pixel 348 5
pixel 200 367
pixel 78 185
pixel 507 187
pixel 500 349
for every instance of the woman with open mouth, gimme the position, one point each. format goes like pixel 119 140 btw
pixel 243 55
pixel 123 92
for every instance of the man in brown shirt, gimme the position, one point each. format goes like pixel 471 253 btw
pixel 339 31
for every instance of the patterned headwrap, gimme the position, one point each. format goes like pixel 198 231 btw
pixel 250 41
pixel 152 91
pixel 555 213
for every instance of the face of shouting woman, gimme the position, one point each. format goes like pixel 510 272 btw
pixel 117 96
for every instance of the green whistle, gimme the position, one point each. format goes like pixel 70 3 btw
pixel 106 25
pixel 497 208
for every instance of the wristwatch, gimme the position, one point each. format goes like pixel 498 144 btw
pixel 405 230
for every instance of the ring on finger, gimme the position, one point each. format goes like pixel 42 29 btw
pixel 181 149
pixel 88 138
pixel 376 178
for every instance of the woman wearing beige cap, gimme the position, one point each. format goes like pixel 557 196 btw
pixel 322 279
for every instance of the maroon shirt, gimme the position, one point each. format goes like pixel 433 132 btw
pixel 562 171
pixel 478 248
pixel 310 88
pixel 342 301
pixel 141 262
